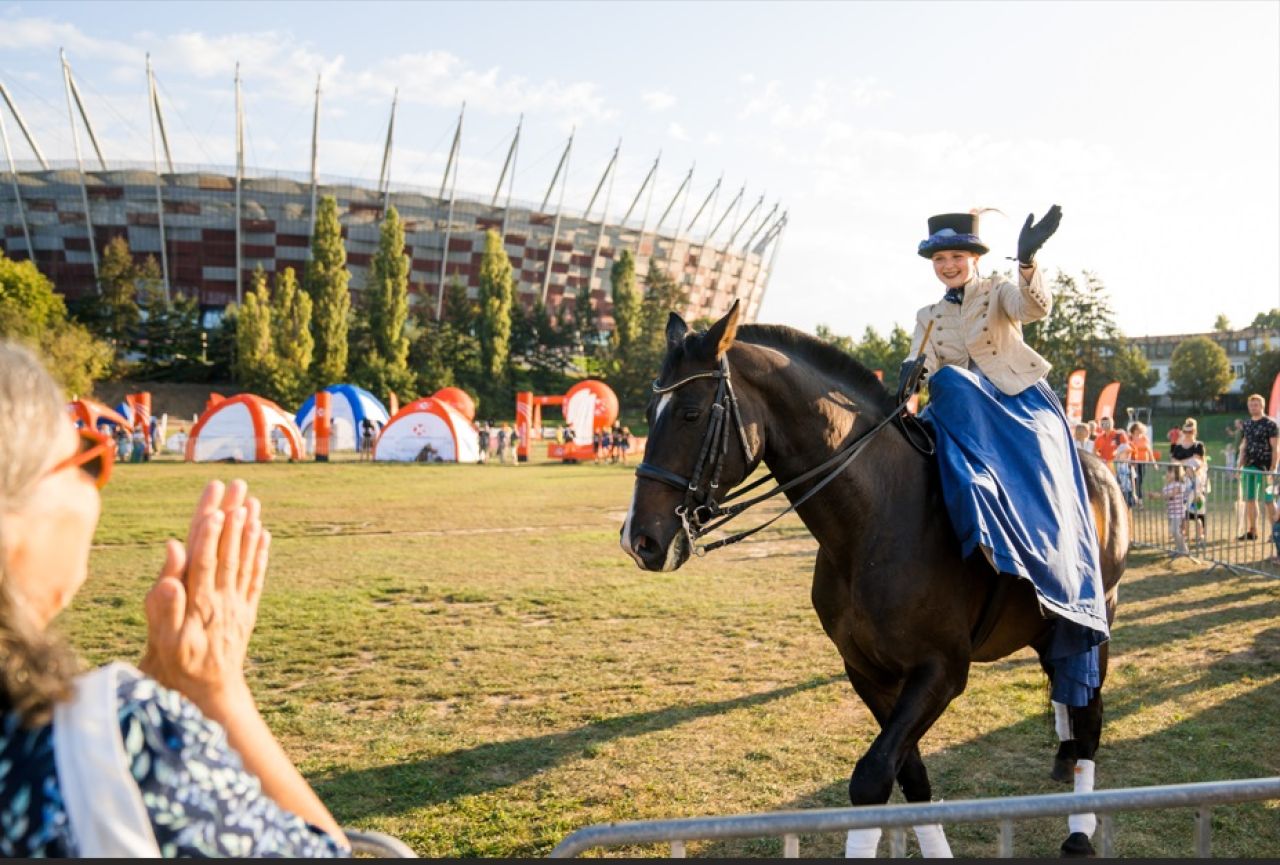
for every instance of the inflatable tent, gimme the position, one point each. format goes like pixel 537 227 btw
pixel 428 430
pixel 459 399
pixel 244 428
pixel 348 406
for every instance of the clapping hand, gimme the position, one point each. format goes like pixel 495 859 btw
pixel 1033 236
pixel 203 607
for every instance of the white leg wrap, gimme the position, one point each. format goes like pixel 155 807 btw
pixel 1062 722
pixel 862 843
pixel 933 841
pixel 1085 823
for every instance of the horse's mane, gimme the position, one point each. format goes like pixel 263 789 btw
pixel 823 355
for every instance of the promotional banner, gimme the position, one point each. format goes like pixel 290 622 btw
pixel 1274 404
pixel 1107 401
pixel 1075 396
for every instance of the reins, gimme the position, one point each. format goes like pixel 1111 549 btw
pixel 701 514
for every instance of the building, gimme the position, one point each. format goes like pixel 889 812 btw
pixel 209 229
pixel 1240 345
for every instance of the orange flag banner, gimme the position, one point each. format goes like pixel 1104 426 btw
pixel 1107 401
pixel 1075 396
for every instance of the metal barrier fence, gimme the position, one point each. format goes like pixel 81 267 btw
pixel 1217 527
pixel 897 818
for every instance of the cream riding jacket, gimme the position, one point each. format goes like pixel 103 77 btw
pixel 985 330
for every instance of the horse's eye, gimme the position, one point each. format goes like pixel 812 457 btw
pixel 692 414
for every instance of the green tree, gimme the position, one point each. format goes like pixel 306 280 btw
pixel 33 314
pixel 292 343
pixel 1221 324
pixel 1260 372
pixel 255 364
pixel 1199 371
pixel 634 367
pixel 383 363
pixel 496 297
pixel 118 283
pixel 325 282
pixel 1080 333
pixel 1269 319
pixel 626 306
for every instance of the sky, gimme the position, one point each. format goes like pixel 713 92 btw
pixel 1155 126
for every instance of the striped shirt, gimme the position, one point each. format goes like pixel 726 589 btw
pixel 1175 500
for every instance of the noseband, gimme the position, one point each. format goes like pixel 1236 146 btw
pixel 700 513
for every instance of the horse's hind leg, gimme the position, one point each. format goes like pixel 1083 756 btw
pixel 1064 762
pixel 1086 725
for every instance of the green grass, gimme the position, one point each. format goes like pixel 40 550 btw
pixel 462 656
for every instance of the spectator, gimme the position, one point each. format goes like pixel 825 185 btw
pixel 1108 440
pixel 1080 436
pixel 1141 454
pixel 1187 445
pixel 502 444
pixel 1124 475
pixel 1175 503
pixel 482 437
pixel 624 444
pixel 1093 434
pixel 1233 444
pixel 123 447
pixel 174 760
pixel 138 446
pixel 366 439
pixel 1257 457
pixel 513 441
pixel 1196 487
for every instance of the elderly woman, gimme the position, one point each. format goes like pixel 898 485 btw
pixel 174 760
pixel 1011 478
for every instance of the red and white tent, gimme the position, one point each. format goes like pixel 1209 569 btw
pixel 428 430
pixel 244 428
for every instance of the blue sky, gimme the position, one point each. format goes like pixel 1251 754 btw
pixel 1156 126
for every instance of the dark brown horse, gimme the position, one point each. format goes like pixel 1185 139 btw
pixel 906 611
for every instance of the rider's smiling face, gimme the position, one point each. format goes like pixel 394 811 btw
pixel 954 267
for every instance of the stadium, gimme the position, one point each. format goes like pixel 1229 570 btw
pixel 209 228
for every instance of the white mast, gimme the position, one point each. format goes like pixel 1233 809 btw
pixel 152 117
pixel 84 189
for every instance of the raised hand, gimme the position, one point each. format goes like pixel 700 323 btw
pixel 203 607
pixel 1033 236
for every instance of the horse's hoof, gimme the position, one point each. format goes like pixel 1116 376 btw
pixel 1078 846
pixel 1063 770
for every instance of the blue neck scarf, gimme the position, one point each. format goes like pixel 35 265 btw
pixel 954 295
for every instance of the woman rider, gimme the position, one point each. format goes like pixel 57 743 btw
pixel 1010 476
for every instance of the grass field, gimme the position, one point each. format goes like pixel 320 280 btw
pixel 461 656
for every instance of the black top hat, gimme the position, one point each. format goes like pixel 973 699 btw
pixel 952 231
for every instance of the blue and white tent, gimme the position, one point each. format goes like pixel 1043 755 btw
pixel 349 406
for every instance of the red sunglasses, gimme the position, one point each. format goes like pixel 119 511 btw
pixel 95 457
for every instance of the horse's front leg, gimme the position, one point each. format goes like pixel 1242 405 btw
pixel 904 715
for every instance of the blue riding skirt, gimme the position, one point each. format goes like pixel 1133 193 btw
pixel 1014 489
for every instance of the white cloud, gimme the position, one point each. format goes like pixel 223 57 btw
pixel 676 131
pixel 658 100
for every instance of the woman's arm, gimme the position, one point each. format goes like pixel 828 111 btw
pixel 1027 301
pixel 200 616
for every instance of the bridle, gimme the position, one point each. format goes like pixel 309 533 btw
pixel 700 513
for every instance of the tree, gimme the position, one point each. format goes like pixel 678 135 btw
pixel 626 306
pixel 325 282
pixel 256 364
pixel 33 314
pixel 634 367
pixel 1221 324
pixel 1260 372
pixel 292 343
pixel 118 281
pixel 1080 333
pixel 496 294
pixel 383 363
pixel 1199 371
pixel 1269 320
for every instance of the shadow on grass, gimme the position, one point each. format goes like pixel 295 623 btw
pixel 390 790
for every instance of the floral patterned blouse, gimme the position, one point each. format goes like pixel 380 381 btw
pixel 200 799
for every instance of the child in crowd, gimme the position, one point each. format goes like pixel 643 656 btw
pixel 1124 474
pixel 1175 503
pixel 1194 485
pixel 1080 435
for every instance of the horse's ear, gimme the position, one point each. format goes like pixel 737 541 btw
pixel 722 333
pixel 676 329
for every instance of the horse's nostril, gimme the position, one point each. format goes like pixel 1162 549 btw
pixel 640 542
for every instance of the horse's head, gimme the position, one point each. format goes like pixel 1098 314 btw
pixel 697 448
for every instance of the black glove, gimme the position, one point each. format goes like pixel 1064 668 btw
pixel 909 379
pixel 1034 236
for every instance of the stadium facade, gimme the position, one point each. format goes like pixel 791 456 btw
pixel 210 228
